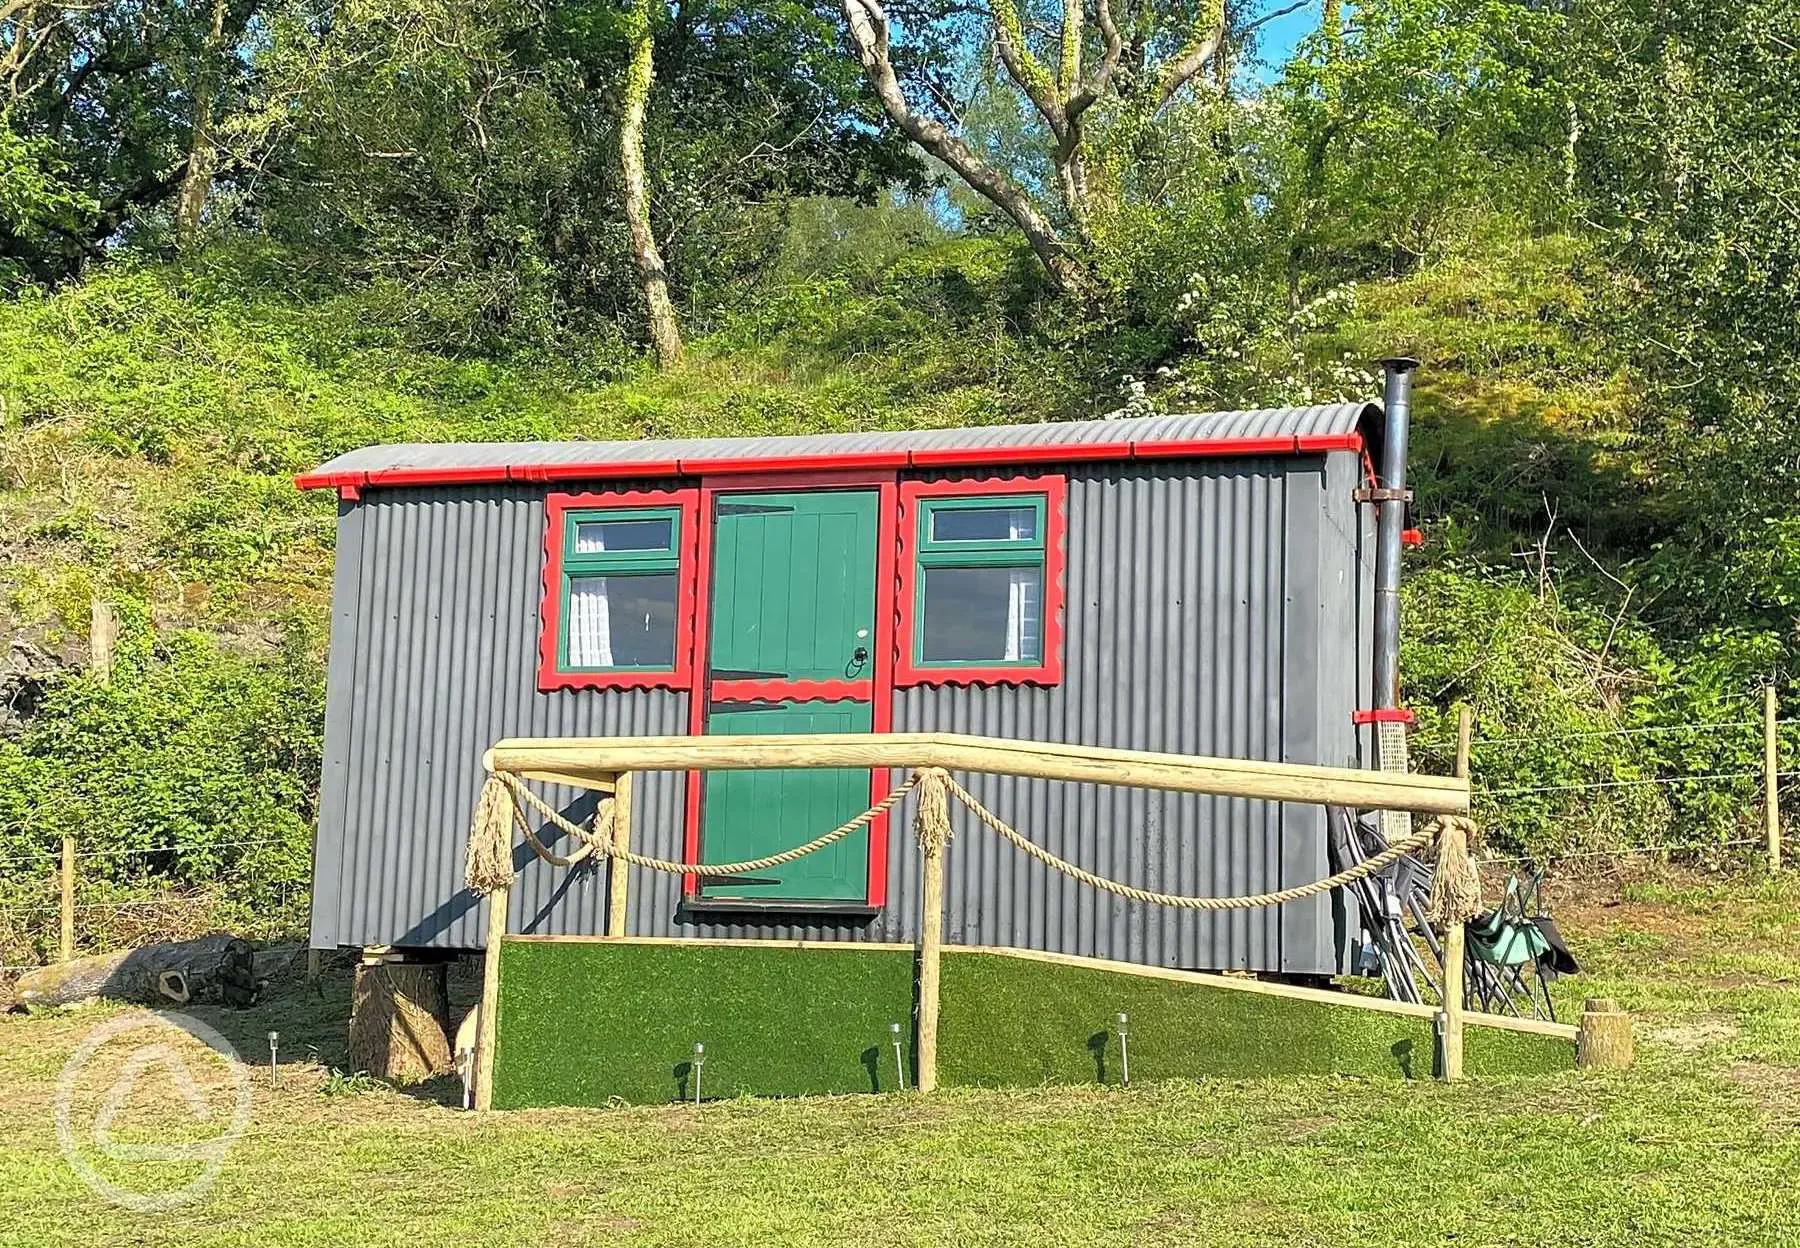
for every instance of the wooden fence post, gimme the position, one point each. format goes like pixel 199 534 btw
pixel 1771 779
pixel 103 633
pixel 931 940
pixel 490 998
pixel 1455 933
pixel 1603 1038
pixel 67 943
pixel 618 870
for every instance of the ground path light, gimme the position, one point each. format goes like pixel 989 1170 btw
pixel 1123 1022
pixel 899 1060
pixel 274 1046
pixel 699 1061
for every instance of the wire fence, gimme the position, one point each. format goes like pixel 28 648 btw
pixel 112 905
pixel 1703 794
pixel 52 856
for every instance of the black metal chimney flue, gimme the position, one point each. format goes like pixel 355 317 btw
pixel 1390 520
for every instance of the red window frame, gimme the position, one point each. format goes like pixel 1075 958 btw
pixel 556 508
pixel 1055 489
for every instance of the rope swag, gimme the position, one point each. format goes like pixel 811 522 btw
pixel 1455 889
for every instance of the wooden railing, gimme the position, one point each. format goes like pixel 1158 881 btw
pixel 593 762
pixel 606 764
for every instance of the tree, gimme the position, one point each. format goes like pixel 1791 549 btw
pixel 1689 161
pixel 665 334
pixel 1143 61
pixel 116 100
pixel 197 176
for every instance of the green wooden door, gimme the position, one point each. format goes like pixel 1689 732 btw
pixel 791 644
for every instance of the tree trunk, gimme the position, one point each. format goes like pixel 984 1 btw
pixel 214 969
pixel 868 27
pixel 400 1021
pixel 196 179
pixel 665 333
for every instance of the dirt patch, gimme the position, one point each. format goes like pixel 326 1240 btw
pixel 1775 1089
pixel 1305 1128
pixel 1693 1034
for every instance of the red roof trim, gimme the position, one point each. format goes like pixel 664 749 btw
pixel 1383 715
pixel 593 470
pixel 948 457
pixel 1047 453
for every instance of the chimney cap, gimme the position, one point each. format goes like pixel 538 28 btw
pixel 1399 363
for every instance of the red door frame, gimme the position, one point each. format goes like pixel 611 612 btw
pixel 882 644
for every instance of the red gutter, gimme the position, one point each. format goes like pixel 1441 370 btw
pixel 953 457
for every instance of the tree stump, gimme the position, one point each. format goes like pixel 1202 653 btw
pixel 1603 1037
pixel 215 969
pixel 400 1020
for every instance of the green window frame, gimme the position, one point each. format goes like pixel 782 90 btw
pixel 931 551
pixel 576 564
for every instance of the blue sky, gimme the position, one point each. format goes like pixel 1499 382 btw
pixel 1281 36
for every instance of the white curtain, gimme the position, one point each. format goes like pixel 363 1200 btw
pixel 590 615
pixel 1023 606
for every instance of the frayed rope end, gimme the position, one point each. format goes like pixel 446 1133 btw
pixel 1455 884
pixel 488 863
pixel 931 825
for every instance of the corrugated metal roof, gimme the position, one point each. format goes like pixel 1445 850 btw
pixel 1260 431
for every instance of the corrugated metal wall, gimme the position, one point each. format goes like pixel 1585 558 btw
pixel 434 658
pixel 1210 609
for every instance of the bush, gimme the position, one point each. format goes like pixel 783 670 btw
pixel 1552 680
pixel 193 770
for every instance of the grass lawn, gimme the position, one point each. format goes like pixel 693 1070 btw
pixel 1698 1145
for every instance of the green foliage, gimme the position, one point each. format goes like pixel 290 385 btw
pixel 191 766
pixel 361 1083
pixel 1691 156
pixel 1551 680
pixel 1384 145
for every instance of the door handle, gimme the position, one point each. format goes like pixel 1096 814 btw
pixel 859 656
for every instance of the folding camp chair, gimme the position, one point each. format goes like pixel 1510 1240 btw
pixel 1515 953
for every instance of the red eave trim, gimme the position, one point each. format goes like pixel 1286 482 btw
pixel 861 462
pixel 948 457
pixel 594 470
pixel 436 476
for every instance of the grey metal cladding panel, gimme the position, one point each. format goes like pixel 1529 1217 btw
pixel 446 624
pixel 334 780
pixel 1342 666
pixel 1174 641
pixel 1335 418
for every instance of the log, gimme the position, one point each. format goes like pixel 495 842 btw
pixel 931 952
pixel 487 1021
pixel 593 762
pixel 217 969
pixel 400 1020
pixel 1603 1037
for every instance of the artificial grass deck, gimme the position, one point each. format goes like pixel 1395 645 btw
pixel 588 1022
pixel 1010 1021
pixel 592 1022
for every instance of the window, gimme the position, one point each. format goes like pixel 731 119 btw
pixel 618 606
pixel 981 573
